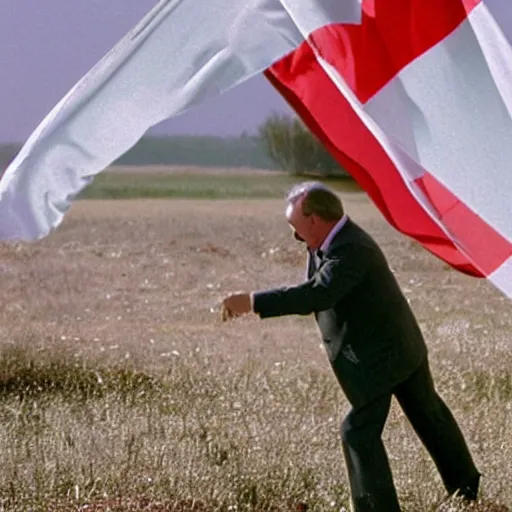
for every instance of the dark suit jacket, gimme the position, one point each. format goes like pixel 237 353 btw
pixel 369 331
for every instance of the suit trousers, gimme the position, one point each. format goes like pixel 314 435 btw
pixel 371 482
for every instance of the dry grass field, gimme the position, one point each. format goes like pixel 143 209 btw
pixel 121 389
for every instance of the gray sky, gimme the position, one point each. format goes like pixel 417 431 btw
pixel 46 46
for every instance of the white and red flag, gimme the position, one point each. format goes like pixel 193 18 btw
pixel 413 98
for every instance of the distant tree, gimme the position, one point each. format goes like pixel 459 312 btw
pixel 293 148
pixel 207 151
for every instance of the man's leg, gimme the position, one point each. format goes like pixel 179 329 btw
pixel 439 432
pixel 371 483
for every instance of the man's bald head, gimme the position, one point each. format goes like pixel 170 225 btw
pixel 318 199
pixel 312 210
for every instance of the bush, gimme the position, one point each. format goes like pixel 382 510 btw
pixel 289 143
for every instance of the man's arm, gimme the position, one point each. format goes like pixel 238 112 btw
pixel 336 277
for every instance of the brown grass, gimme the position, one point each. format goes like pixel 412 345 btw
pixel 121 389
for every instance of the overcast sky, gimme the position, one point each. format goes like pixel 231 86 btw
pixel 46 46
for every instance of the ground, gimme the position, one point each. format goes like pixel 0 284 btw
pixel 121 389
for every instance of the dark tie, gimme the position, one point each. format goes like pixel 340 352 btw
pixel 315 258
pixel 318 258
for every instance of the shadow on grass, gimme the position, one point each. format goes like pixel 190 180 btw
pixel 23 376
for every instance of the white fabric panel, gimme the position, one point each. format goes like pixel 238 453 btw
pixel 502 278
pixel 492 23
pixel 181 53
pixel 446 111
pixel 310 15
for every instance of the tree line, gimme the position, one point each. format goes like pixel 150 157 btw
pixel 281 143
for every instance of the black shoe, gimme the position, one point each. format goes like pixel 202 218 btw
pixel 469 491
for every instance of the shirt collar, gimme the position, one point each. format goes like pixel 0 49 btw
pixel 334 231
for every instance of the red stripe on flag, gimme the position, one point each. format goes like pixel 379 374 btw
pixel 479 240
pixel 369 55
pixel 304 84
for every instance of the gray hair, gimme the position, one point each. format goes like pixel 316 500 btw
pixel 319 200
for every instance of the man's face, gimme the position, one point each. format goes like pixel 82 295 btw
pixel 303 226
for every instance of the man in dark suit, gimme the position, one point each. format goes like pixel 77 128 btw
pixel 374 345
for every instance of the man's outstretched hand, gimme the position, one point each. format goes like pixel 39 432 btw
pixel 236 305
